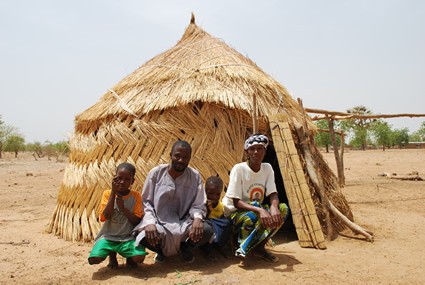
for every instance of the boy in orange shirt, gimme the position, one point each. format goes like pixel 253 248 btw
pixel 120 210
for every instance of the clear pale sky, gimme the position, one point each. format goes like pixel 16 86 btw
pixel 57 58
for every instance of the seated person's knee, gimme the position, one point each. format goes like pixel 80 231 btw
pixel 251 217
pixel 95 260
pixel 208 230
pixel 138 258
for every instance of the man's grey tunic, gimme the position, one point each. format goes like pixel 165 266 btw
pixel 172 205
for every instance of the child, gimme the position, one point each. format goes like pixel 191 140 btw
pixel 215 215
pixel 121 211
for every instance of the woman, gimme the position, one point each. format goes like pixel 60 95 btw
pixel 249 183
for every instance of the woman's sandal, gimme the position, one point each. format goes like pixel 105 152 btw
pixel 267 256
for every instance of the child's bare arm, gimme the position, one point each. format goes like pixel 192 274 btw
pixel 132 218
pixel 109 209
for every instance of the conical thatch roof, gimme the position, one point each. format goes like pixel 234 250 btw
pixel 201 90
pixel 199 68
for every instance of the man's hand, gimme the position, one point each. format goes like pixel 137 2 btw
pixel 152 235
pixel 197 230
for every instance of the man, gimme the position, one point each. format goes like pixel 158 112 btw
pixel 174 205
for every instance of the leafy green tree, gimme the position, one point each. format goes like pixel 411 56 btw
pixel 15 143
pixel 360 138
pixel 382 133
pixel 415 137
pixel 5 132
pixel 35 147
pixel 1 135
pixel 400 137
pixel 421 130
pixel 358 127
pixel 323 139
pixel 419 135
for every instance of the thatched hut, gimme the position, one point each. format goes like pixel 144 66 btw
pixel 201 90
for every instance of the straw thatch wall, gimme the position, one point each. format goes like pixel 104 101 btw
pixel 201 91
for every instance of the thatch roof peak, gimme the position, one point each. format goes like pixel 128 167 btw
pixel 192 18
pixel 199 68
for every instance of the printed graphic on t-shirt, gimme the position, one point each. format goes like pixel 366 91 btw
pixel 256 193
pixel 118 217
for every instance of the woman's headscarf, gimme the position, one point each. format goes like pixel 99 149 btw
pixel 256 139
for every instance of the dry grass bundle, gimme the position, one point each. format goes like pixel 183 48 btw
pixel 200 91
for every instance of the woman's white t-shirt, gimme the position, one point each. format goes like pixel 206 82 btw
pixel 248 186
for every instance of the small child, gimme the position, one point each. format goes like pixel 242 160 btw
pixel 215 215
pixel 120 210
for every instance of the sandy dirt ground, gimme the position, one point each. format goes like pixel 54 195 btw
pixel 392 209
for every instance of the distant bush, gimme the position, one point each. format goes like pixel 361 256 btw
pixel 58 150
pixel 15 143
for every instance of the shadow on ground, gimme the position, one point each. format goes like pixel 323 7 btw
pixel 206 267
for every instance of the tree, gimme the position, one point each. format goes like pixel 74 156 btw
pixel 382 133
pixel 415 137
pixel 1 135
pixel 15 143
pixel 36 148
pixel 5 132
pixel 358 127
pixel 48 149
pixel 419 135
pixel 323 139
pixel 360 138
pixel 57 150
pixel 62 147
pixel 400 137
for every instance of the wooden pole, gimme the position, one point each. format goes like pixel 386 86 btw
pixel 254 114
pixel 358 230
pixel 346 116
pixel 300 102
pixel 342 156
pixel 339 163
